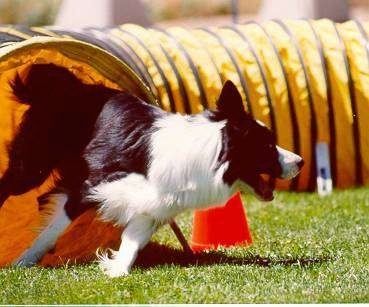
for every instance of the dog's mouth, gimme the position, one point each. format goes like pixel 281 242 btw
pixel 264 187
pixel 261 185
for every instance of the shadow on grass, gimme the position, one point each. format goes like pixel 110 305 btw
pixel 155 254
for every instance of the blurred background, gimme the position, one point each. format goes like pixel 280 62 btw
pixel 78 13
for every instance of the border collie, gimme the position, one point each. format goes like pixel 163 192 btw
pixel 139 165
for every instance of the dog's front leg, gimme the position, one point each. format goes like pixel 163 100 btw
pixel 135 236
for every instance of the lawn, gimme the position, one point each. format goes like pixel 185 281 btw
pixel 306 249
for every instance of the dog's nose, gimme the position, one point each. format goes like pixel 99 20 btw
pixel 300 164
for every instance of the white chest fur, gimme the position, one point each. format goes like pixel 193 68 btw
pixel 181 174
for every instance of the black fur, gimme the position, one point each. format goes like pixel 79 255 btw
pixel 120 144
pixel 54 130
pixel 88 133
pixel 248 146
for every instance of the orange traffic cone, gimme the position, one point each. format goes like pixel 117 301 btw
pixel 221 226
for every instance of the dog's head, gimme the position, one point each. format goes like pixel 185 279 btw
pixel 254 160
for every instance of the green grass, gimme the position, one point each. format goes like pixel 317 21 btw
pixel 306 250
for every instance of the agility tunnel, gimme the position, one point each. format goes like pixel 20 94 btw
pixel 20 217
pixel 307 80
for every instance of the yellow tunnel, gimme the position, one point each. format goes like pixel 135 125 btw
pixel 308 80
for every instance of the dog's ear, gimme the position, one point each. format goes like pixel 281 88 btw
pixel 229 103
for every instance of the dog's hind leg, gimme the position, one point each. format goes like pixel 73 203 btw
pixel 135 236
pixel 52 208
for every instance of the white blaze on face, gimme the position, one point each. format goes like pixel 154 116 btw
pixel 289 163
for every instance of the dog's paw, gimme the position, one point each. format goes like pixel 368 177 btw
pixel 113 266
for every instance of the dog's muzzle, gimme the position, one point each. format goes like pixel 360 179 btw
pixel 291 163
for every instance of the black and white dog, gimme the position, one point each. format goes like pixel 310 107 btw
pixel 138 164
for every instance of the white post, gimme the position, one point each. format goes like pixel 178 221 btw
pixel 100 13
pixel 336 10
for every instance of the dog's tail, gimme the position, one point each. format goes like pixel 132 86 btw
pixel 42 83
pixel 47 84
pixel 58 124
